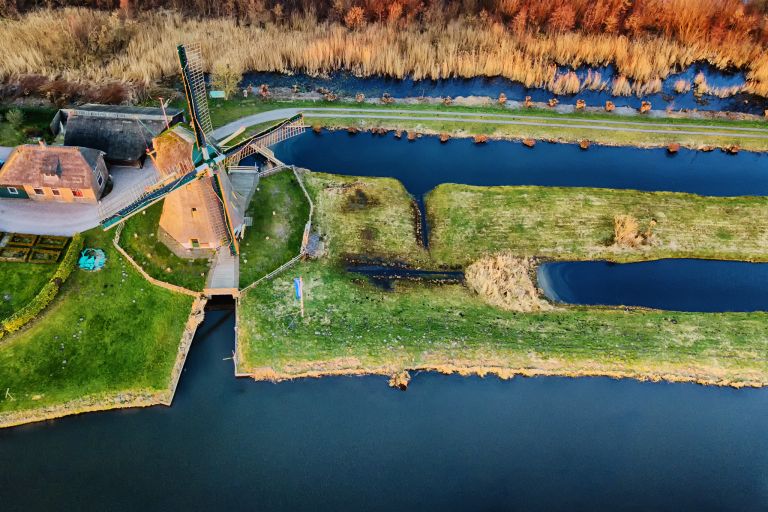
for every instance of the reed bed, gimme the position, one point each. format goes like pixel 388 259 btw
pixel 85 45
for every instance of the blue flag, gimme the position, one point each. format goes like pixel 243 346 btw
pixel 297 287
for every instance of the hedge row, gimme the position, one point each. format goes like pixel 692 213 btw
pixel 46 295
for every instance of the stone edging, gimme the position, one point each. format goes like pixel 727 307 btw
pixel 156 282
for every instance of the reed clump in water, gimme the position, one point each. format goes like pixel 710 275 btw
pixel 505 282
pixel 682 86
pixel 80 44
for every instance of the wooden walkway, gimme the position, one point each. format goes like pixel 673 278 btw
pixel 224 276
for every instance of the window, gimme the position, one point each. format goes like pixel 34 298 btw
pixel 39 192
pixel 100 180
pixel 77 192
pixel 195 242
pixel 13 190
pixel 55 192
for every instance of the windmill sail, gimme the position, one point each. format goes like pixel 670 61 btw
pixel 191 60
pixel 192 168
pixel 284 130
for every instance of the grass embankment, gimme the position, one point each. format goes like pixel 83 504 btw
pixel 362 218
pixel 108 333
pixel 139 239
pixel 35 123
pixel 467 222
pixel 354 327
pixel 19 283
pixel 568 127
pixel 601 128
pixel 280 211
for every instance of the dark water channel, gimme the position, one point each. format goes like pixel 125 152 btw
pixel 674 284
pixel 423 164
pixel 345 84
pixel 448 443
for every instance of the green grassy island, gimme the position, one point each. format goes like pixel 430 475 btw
pixel 354 327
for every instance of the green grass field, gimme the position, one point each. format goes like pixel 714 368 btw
pixel 577 223
pixel 362 217
pixel 279 210
pixel 107 332
pixel 139 239
pixel 352 326
pixel 19 283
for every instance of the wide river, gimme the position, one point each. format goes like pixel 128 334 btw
pixel 449 442
pixel 352 443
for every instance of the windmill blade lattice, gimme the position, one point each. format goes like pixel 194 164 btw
pixel 191 58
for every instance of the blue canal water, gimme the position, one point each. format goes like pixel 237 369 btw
pixel 346 84
pixel 423 164
pixel 351 443
pixel 674 284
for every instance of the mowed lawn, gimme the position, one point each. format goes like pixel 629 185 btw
pixel 106 332
pixel 139 239
pixel 467 222
pixel 353 326
pixel 19 283
pixel 279 210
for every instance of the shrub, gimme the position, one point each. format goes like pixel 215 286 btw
pixel 15 117
pixel 46 295
pixel 225 79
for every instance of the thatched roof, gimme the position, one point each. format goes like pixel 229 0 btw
pixel 51 166
pixel 173 150
pixel 124 133
pixel 122 140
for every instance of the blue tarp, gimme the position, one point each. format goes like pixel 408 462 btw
pixel 92 259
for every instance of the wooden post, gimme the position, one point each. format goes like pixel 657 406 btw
pixel 301 287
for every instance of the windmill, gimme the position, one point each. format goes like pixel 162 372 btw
pixel 202 209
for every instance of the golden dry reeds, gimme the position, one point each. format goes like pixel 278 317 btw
pixel 96 46
pixel 626 232
pixel 566 83
pixel 682 86
pixel 621 86
pixel 505 282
